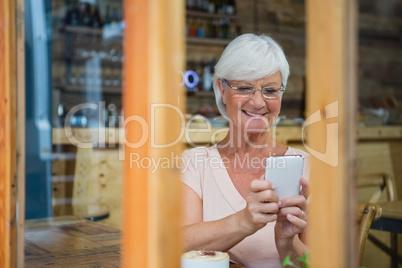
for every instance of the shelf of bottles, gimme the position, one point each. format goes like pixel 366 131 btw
pixel 90 54
pixel 87 59
pixel 211 22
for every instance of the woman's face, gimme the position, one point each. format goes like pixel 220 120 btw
pixel 254 113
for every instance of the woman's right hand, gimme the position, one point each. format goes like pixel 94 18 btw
pixel 262 205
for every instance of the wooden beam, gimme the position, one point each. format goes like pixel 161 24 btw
pixel 20 142
pixel 154 55
pixel 332 90
pixel 8 97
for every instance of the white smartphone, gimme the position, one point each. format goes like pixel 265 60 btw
pixel 285 173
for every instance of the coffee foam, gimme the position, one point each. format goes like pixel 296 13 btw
pixel 205 259
pixel 205 255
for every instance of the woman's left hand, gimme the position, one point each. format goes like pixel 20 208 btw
pixel 292 218
pixel 291 223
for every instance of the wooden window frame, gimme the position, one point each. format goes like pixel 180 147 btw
pixel 12 133
pixel 151 236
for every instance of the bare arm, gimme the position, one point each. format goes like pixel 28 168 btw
pixel 219 235
pixel 225 233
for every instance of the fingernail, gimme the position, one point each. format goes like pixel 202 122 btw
pixel 279 203
pixel 289 216
pixel 273 187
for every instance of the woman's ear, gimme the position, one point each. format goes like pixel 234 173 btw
pixel 222 90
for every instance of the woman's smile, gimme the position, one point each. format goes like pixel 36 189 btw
pixel 254 115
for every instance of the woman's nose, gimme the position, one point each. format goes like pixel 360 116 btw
pixel 257 99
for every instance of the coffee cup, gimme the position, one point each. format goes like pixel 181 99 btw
pixel 205 259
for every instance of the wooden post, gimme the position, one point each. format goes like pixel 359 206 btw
pixel 154 55
pixel 332 90
pixel 20 81
pixel 12 133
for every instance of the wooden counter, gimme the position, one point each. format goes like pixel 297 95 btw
pixel 200 134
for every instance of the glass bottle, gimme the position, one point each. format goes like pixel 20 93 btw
pixel 72 15
pixel 207 77
pixel 108 15
pixel 231 7
pixel 200 28
pixel 85 14
pixel 95 17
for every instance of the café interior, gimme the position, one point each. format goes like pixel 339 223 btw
pixel 94 89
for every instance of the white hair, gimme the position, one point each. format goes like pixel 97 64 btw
pixel 249 57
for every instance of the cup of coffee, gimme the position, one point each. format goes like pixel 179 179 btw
pixel 205 259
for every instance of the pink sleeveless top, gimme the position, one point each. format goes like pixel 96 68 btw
pixel 205 173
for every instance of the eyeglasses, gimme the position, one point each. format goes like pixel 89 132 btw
pixel 271 93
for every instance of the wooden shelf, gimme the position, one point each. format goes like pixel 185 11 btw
pixel 92 31
pixel 81 30
pixel 201 93
pixel 63 156
pixel 379 132
pixel 83 60
pixel 200 14
pixel 83 88
pixel 208 41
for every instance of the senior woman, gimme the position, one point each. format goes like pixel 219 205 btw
pixel 228 204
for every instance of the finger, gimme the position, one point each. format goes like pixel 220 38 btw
pixel 269 208
pixel 283 212
pixel 265 218
pixel 260 185
pixel 302 214
pixel 269 217
pixel 263 208
pixel 267 196
pixel 293 201
pixel 259 218
pixel 300 224
pixel 304 187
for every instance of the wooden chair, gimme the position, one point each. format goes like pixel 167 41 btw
pixel 98 185
pixel 368 213
pixel 86 190
pixel 381 182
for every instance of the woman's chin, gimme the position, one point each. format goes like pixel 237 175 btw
pixel 257 125
pixel 257 128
